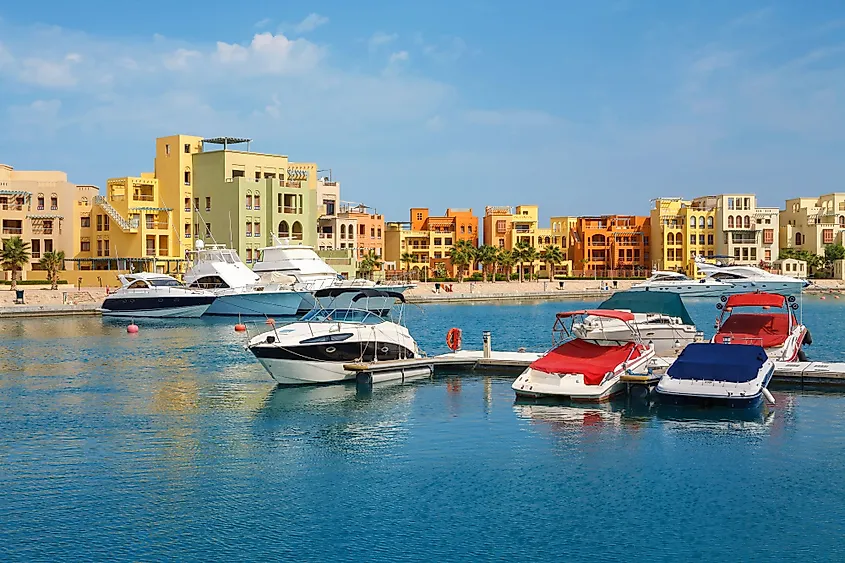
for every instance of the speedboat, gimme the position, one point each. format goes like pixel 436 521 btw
pixel 676 282
pixel 660 319
pixel 238 289
pixel 743 279
pixel 732 375
pixel 584 369
pixel 324 345
pixel 155 295
pixel 312 274
pixel 779 333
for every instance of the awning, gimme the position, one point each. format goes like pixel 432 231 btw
pixel 660 302
pixel 45 217
pixel 14 192
pixel 756 300
pixel 150 209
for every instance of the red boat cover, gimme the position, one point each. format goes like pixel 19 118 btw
pixel 756 300
pixel 768 331
pixel 580 356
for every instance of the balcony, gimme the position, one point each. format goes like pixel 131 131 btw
pixel 12 231
pixel 288 209
pixel 151 252
pixel 12 207
pixel 291 184
pixel 156 224
pixel 142 197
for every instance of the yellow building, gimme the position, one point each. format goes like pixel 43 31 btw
pixel 505 227
pixel 681 230
pixel 429 239
pixel 142 223
pixel 811 223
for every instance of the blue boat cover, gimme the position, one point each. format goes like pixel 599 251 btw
pixel 649 302
pixel 736 363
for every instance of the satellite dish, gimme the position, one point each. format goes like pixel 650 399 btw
pixel 199 245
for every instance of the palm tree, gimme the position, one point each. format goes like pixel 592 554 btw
pixel 15 256
pixel 519 252
pixel 408 258
pixel 369 263
pixel 462 254
pixel 486 254
pixel 529 256
pixel 507 259
pixel 52 262
pixel 552 256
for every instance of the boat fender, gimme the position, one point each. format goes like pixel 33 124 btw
pixel 453 339
pixel 768 395
pixel 808 338
pixel 802 356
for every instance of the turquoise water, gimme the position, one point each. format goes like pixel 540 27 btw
pixel 173 444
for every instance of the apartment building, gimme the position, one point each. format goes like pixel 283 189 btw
pixel 811 223
pixel 506 227
pixel 429 238
pixel 611 244
pixel 681 230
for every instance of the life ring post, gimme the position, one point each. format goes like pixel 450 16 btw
pixel 453 339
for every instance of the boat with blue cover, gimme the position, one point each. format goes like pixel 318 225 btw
pixel 732 375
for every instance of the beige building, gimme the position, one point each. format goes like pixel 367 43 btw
pixel 811 223
pixel 44 209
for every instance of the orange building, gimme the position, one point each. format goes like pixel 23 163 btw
pixel 370 228
pixel 611 244
pixel 429 238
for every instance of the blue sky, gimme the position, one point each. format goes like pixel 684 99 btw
pixel 580 107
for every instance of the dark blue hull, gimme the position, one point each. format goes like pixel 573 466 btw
pixel 731 403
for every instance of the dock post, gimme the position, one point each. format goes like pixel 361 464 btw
pixel 485 338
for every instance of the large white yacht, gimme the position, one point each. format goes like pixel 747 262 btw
pixel 318 348
pixel 676 282
pixel 744 279
pixel 155 295
pixel 238 289
pixel 312 273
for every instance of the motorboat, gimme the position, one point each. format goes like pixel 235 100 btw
pixel 238 289
pixel 324 345
pixel 155 295
pixel 660 319
pixel 312 274
pixel 582 369
pixel 676 282
pixel 732 375
pixel 779 333
pixel 743 279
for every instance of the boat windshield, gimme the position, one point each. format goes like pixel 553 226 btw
pixel 342 315
pixel 165 282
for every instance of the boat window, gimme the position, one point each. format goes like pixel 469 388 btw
pixel 229 258
pixel 338 337
pixel 165 282
pixel 139 284
pixel 725 276
pixel 210 282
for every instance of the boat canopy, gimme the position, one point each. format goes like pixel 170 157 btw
pixel 620 315
pixel 367 293
pixel 756 300
pixel 664 303
pixel 735 363
pixel 591 360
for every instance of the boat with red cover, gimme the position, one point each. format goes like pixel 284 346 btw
pixel 583 369
pixel 779 332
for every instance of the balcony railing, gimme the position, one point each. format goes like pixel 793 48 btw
pixel 151 252
pixel 142 197
pixel 12 207
pixel 36 254
pixel 156 225
pixel 12 231
pixel 287 209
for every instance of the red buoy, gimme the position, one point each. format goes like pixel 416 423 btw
pixel 132 329
pixel 240 327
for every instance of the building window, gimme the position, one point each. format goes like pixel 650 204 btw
pixel 256 229
pixel 710 239
pixel 238 173
pixel 747 222
pixel 745 253
pixel 85 222
pixel 372 232
pixel 827 236
pixel 187 177
pixel 692 239
pixel 85 246
pixel 99 248
pixel 256 202
pixel 362 230
pixel 438 242
pixel 768 254
pixel 249 229
pixel 187 148
pixel 208 230
pixel 106 223
pixel 799 240
pixel 730 221
pixel 692 222
pixel 701 222
pixel 166 150
pixel 730 203
pixel 419 216
pixel 670 238
pixel 197 203
pixel 257 175
pixel 768 236
pixel 99 222
pixel 342 231
pixel 754 253
pixel 196 230
pixel 469 228
pixel 438 255
pixel 106 247
pixel 378 235
pixel 35 248
pixel 463 229
pixel 248 255
pixel 187 204
pixel 448 242
pixel 249 202
pixel 701 239
pixel 187 230
pixel 747 203
pixel 40 202
pixel 208 203
pixel 54 202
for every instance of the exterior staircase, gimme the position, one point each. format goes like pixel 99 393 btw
pixel 125 224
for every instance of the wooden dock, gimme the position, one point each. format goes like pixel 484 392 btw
pixel 792 373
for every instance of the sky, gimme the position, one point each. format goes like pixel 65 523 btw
pixel 579 107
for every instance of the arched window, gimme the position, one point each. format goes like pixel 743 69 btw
pixel 692 222
pixel 598 239
pixel 284 230
pixel 342 230
pixel 747 224
pixel 84 201
pixel 710 222
pixel 670 238
pixel 296 230
pixel 798 239
pixel 701 222
pixel 548 240
pixel 730 221
pixel 351 230
pixel 842 220
pixel 187 176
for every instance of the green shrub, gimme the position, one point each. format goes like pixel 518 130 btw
pixel 32 282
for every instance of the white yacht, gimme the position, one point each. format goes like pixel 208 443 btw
pixel 744 279
pixel 676 282
pixel 238 289
pixel 318 348
pixel 660 319
pixel 155 295
pixel 312 274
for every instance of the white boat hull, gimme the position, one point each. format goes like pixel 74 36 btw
pixel 747 393
pixel 293 372
pixel 257 303
pixel 691 289
pixel 193 311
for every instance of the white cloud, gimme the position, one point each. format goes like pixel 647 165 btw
pixel 444 50
pixel 47 73
pixel 311 22
pixel 270 54
pixel 379 39
pixel 180 59
pixel 399 56
pixel 264 22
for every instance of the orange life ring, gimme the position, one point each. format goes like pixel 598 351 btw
pixel 453 339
